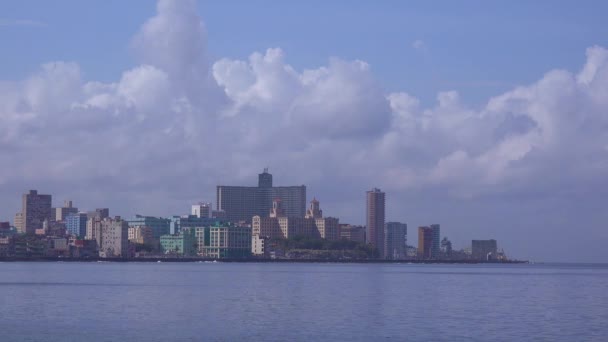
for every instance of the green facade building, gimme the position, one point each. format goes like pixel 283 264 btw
pixel 160 226
pixel 182 244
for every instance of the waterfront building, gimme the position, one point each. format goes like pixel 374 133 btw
pixel 160 226
pixel 323 227
pixel 425 242
pixel 327 228
pixel 429 242
pixel 258 245
pixel 395 236
pixel 278 225
pixel 94 229
pixel 114 238
pixel 141 235
pixel 314 211
pixel 484 249
pixel 411 251
pixel 6 246
pixel 352 233
pixel 61 213
pixel 224 241
pixel 57 246
pixel 76 224
pixel 241 203
pixel 190 221
pixel 82 248
pixel 446 247
pixel 436 244
pixel 202 210
pixel 36 208
pixel 375 219
pixel 183 244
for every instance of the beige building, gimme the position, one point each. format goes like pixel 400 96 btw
pixel 18 222
pixel 94 229
pixel 142 235
pixel 258 245
pixel 280 226
pixel 114 238
pixel 327 228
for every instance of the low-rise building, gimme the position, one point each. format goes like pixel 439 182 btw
pixel 6 246
pixel 141 235
pixel 484 249
pixel 258 245
pixel 83 248
pixel 182 244
pixel 224 241
pixel 191 221
pixel 352 233
pixel 57 246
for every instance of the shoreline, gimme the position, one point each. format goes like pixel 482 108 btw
pixel 254 260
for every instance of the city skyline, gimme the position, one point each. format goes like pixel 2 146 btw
pixel 389 238
pixel 518 155
pixel 43 231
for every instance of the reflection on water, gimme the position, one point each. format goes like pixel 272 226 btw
pixel 322 302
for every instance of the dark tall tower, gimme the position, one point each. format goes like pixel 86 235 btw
pixel 265 179
pixel 375 219
pixel 36 209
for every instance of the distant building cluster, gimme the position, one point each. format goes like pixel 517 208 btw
pixel 248 222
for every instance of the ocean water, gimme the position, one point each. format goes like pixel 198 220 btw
pixel 302 302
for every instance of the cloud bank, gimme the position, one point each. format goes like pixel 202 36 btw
pixel 178 123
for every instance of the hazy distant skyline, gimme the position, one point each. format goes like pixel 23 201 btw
pixel 488 118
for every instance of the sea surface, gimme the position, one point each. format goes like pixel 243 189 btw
pixel 102 301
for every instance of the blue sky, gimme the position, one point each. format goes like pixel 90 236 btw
pixel 486 117
pixel 478 47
